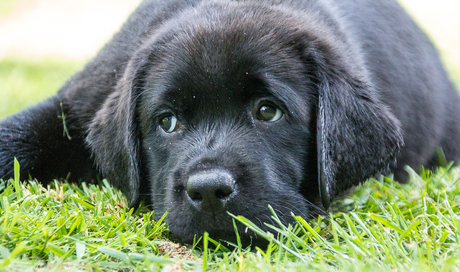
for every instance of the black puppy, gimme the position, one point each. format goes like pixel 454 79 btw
pixel 206 107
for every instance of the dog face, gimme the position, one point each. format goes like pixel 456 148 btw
pixel 214 127
pixel 243 108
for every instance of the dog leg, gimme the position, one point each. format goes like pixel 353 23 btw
pixel 46 143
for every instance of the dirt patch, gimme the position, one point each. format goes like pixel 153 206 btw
pixel 175 251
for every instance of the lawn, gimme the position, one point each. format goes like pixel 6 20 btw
pixel 383 226
pixel 25 82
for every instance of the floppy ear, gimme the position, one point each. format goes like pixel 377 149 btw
pixel 357 135
pixel 114 135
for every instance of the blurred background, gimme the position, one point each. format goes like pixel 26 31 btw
pixel 43 42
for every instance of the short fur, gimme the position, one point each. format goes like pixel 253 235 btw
pixel 359 85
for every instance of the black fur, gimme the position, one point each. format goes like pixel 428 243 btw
pixel 359 86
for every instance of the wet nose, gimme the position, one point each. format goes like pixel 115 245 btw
pixel 210 190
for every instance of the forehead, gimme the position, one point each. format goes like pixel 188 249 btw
pixel 224 61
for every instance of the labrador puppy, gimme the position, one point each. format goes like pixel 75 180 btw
pixel 203 108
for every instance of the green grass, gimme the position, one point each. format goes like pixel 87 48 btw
pixel 383 226
pixel 454 74
pixel 24 82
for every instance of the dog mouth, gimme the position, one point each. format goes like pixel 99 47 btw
pixel 202 202
pixel 222 228
pixel 211 200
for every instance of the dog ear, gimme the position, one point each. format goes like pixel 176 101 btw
pixel 357 135
pixel 114 135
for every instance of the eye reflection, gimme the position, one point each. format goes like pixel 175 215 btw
pixel 269 113
pixel 169 123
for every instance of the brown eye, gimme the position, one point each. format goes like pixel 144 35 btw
pixel 169 123
pixel 269 113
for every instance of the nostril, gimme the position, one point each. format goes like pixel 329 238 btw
pixel 195 195
pixel 223 193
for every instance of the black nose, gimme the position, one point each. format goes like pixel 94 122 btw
pixel 210 190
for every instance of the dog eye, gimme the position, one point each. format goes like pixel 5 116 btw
pixel 268 113
pixel 169 123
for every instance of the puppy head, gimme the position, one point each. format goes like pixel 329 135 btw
pixel 233 108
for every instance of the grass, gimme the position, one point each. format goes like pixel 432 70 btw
pixel 24 82
pixel 454 73
pixel 382 226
